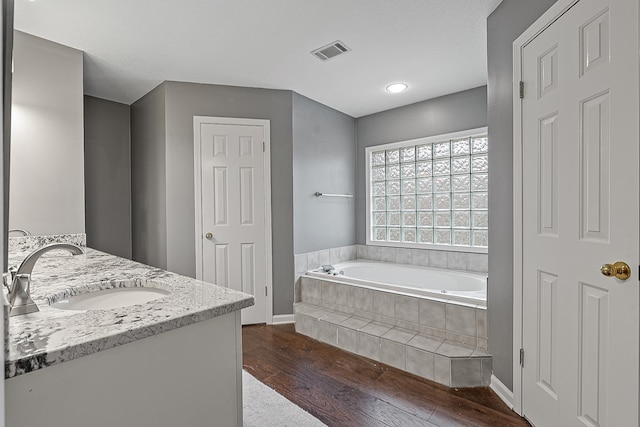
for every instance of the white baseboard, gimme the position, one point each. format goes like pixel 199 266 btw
pixel 502 391
pixel 281 319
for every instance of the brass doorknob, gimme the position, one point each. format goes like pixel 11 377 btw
pixel 209 236
pixel 620 269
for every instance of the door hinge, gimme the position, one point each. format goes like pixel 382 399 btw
pixel 521 89
pixel 266 291
pixel 522 357
pixel 264 146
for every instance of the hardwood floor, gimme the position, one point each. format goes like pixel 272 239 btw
pixel 343 389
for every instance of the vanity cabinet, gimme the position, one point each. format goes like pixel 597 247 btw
pixel 189 376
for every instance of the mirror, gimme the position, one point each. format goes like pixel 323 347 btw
pixel 46 194
pixel 7 42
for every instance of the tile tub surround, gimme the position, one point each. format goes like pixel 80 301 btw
pixel 473 262
pixel 434 339
pixel 455 321
pixel 425 257
pixel 53 336
pixel 311 260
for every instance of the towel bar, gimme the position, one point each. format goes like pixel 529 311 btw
pixel 318 194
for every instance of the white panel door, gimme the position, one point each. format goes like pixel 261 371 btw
pixel 233 211
pixel 580 210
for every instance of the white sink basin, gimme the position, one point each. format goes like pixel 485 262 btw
pixel 105 299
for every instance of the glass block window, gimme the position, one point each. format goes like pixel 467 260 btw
pixel 430 192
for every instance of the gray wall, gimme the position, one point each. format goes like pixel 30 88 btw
pixel 163 185
pixel 47 176
pixel 450 113
pixel 148 179
pixel 107 176
pixel 504 25
pixel 324 159
pixel 185 100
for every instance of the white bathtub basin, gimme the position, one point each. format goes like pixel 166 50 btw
pixel 464 287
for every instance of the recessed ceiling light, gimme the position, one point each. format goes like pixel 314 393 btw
pixel 397 87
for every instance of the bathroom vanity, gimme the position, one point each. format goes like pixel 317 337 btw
pixel 175 360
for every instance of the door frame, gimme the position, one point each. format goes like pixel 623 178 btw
pixel 266 126
pixel 549 17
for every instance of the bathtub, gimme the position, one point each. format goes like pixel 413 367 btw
pixel 452 286
pixel 405 316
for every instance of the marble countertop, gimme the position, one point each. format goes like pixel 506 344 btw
pixel 53 336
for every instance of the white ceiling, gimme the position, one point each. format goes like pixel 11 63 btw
pixel 436 46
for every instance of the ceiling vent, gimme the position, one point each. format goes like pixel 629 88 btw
pixel 330 51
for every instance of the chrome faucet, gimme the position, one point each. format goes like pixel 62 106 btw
pixel 21 231
pixel 20 290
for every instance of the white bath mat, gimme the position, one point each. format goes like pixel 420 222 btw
pixel 264 407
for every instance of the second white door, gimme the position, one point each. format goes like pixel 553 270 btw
pixel 234 227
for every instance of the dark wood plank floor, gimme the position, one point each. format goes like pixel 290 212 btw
pixel 343 389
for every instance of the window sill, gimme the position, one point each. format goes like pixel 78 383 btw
pixel 431 247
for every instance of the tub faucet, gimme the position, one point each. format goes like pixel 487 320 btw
pixel 327 268
pixel 20 289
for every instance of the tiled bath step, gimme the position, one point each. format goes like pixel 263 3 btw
pixel 446 362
